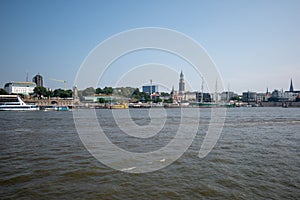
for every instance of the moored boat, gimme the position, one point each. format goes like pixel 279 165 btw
pixel 15 103
pixel 118 106
pixel 62 108
pixel 206 104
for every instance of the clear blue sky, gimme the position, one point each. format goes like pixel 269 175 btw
pixel 255 44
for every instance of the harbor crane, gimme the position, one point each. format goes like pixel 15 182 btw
pixel 62 81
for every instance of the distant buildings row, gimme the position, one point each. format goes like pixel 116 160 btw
pixel 275 96
pixel 26 88
pixel 186 96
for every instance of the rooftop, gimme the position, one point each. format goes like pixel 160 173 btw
pixel 21 84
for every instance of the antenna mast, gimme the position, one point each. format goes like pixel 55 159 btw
pixel 202 91
pixel 216 91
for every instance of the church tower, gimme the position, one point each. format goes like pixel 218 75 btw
pixel 181 84
pixel 291 86
pixel 76 99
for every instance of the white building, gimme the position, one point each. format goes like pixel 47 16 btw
pixel 260 97
pixel 278 95
pixel 215 97
pixel 290 96
pixel 190 96
pixel 227 95
pixel 24 88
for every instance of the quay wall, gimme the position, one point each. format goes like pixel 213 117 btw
pixel 280 104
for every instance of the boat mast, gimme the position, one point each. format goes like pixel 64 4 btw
pixel 227 98
pixel 151 93
pixel 216 91
pixel 201 101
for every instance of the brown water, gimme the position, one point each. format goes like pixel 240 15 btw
pixel 257 157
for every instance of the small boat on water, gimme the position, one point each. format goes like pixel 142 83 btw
pixel 48 108
pixel 62 108
pixel 119 106
pixel 15 103
pixel 55 108
pixel 207 104
pixel 172 105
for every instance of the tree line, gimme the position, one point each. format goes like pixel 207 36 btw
pixel 133 93
pixel 41 91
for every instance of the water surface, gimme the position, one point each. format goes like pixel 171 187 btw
pixel 256 157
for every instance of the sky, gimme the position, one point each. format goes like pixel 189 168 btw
pixel 254 44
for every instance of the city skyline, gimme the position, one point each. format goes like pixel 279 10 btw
pixel 158 88
pixel 254 44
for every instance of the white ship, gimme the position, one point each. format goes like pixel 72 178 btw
pixel 14 103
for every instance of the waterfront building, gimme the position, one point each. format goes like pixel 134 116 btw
pixel 96 98
pixel 24 88
pixel 215 96
pixel 280 96
pixel 206 97
pixel 290 96
pixel 175 96
pixel 268 95
pixel 249 96
pixel 261 97
pixel 227 95
pixel 190 96
pixel 297 98
pixel 150 89
pixel 38 80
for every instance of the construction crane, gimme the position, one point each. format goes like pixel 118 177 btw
pixel 62 81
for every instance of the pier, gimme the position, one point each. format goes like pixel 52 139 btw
pixel 50 102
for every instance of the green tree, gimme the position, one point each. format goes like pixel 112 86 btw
pixel 99 91
pixel 88 91
pixel 140 96
pixel 50 93
pixel 136 92
pixel 170 100
pixel 164 94
pixel 62 93
pixel 102 100
pixel 40 91
pixel 157 100
pixel 124 91
pixel 108 90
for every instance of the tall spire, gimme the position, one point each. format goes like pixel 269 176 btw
pixel 181 83
pixel 181 74
pixel 291 86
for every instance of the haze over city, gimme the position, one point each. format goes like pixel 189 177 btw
pixel 255 44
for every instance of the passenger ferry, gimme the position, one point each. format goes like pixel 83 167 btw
pixel 14 103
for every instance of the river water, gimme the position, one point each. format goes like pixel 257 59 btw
pixel 256 157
